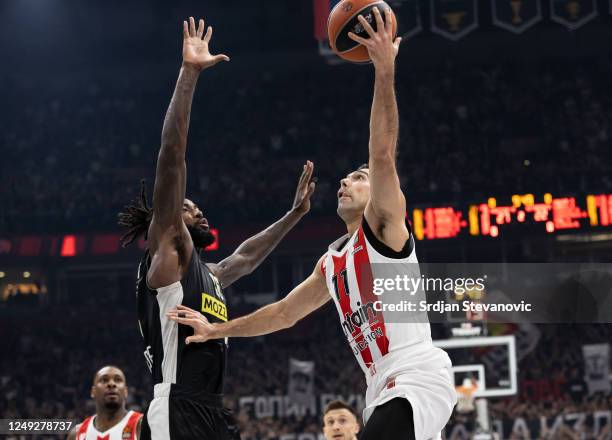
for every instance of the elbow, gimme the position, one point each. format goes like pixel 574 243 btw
pixel 284 318
pixel 172 152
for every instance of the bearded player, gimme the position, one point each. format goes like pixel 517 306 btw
pixel 187 401
pixel 112 420
pixel 410 392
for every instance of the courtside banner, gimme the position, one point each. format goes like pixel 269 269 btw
pixel 516 15
pixel 408 16
pixel 573 13
pixel 454 19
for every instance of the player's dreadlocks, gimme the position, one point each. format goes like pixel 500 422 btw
pixel 136 217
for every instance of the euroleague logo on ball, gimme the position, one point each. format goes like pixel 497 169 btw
pixel 347 7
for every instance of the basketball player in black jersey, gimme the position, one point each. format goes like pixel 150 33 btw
pixel 189 378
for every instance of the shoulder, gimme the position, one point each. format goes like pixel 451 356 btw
pixel 321 265
pixel 73 432
pixel 404 243
pixel 72 435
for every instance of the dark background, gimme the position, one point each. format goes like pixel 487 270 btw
pixel 84 88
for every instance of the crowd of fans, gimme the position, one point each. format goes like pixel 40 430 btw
pixel 466 133
pixel 54 352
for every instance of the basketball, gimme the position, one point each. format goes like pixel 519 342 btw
pixel 343 19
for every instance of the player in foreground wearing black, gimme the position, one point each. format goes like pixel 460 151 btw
pixel 187 401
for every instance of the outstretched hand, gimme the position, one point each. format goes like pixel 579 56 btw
pixel 381 45
pixel 195 46
pixel 202 329
pixel 305 188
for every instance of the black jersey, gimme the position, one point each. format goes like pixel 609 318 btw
pixel 197 366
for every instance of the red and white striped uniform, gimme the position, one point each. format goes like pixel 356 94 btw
pixel 350 272
pixel 124 430
pixel 397 356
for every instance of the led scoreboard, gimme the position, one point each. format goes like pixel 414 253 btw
pixel 550 215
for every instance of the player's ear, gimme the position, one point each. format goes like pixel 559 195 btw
pixel 91 393
pixel 125 391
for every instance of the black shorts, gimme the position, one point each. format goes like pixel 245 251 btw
pixel 390 421
pixel 177 413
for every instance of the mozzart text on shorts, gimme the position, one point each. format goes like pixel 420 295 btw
pixel 444 307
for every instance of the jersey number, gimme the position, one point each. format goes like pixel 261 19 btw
pixel 344 282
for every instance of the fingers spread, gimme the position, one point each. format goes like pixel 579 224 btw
pixel 380 25
pixel 219 58
pixel 366 25
pixel 358 39
pixel 192 28
pixel 208 35
pixel 192 322
pixel 185 29
pixel 200 28
pixel 389 22
pixel 311 188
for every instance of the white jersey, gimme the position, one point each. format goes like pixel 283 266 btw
pixel 394 350
pixel 124 430
pixel 350 273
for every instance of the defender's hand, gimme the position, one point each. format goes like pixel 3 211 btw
pixel 381 46
pixel 195 46
pixel 202 329
pixel 305 188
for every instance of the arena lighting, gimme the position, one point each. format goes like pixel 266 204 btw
pixel 2 274
pixel 68 246
pixel 27 274
pixel 491 218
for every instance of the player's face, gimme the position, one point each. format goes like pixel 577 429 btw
pixel 193 216
pixel 340 424
pixel 354 194
pixel 109 389
pixel 197 225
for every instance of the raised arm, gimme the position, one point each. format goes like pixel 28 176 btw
pixel 167 230
pixel 301 301
pixel 387 208
pixel 250 254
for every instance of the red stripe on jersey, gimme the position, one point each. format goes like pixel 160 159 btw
pixel 345 305
pixel 132 423
pixel 323 265
pixel 83 428
pixel 363 273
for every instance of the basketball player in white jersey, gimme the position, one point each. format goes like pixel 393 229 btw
pixel 410 391
pixel 112 420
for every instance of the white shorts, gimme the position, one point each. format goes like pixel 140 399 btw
pixel 420 373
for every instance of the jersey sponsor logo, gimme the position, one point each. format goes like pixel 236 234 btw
pixel 359 317
pixel 368 336
pixel 213 306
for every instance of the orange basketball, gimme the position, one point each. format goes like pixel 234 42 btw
pixel 343 19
